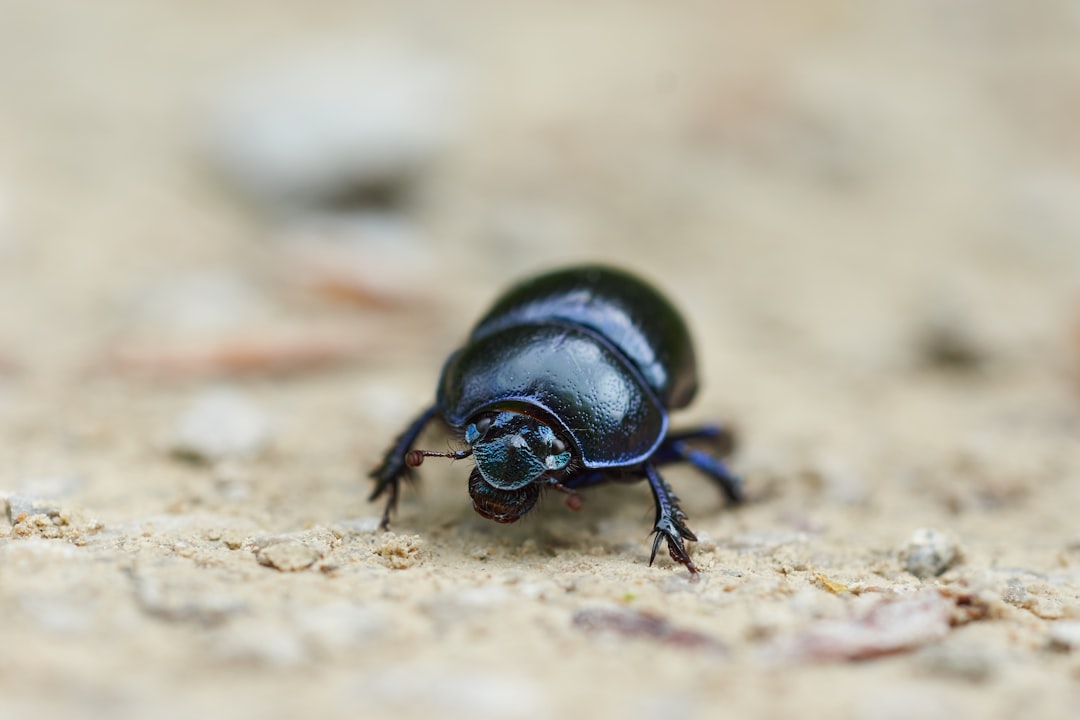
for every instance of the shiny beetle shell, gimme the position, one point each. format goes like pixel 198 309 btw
pixel 566 383
pixel 595 350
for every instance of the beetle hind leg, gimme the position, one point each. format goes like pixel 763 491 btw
pixel 670 524
pixel 393 468
pixel 677 447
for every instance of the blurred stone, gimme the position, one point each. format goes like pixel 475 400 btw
pixel 181 592
pixel 949 338
pixel 841 481
pixel 400 552
pixel 29 505
pixel 221 424
pixel 466 604
pixel 198 302
pixel 928 553
pixel 890 625
pixel 1065 635
pixel 261 643
pixel 288 556
pixel 963 662
pixel 632 623
pixel 366 257
pixel 338 625
pixel 64 613
pixel 359 526
pixel 335 129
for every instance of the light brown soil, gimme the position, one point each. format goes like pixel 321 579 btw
pixel 870 215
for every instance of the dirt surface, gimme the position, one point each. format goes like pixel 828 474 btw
pixel 868 212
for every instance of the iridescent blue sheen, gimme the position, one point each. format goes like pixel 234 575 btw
pixel 564 383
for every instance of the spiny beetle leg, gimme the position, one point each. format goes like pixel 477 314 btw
pixel 721 440
pixel 669 525
pixel 677 448
pixel 392 470
pixel 714 468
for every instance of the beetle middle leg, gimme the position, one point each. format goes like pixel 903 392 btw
pixel 677 447
pixel 669 524
pixel 393 469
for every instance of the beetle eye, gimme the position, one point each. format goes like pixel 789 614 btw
pixel 557 462
pixel 557 446
pixel 483 424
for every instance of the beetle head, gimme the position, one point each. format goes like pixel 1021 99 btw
pixel 512 452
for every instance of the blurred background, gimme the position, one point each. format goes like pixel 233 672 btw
pixel 833 167
pixel 275 220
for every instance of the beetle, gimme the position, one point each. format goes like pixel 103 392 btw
pixel 566 383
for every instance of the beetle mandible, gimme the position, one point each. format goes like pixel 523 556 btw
pixel 564 384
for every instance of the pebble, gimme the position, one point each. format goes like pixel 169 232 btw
pixel 891 625
pixel 949 338
pixel 288 556
pixel 1065 635
pixel 30 515
pixel 330 129
pixel 29 505
pixel 972 664
pixel 251 641
pixel 200 302
pixel 470 604
pixel 234 538
pixel 359 526
pixel 361 257
pixel 338 625
pixel 400 552
pixel 184 593
pixel 929 553
pixel 632 623
pixel 220 424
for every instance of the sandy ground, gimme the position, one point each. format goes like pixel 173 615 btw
pixel 869 213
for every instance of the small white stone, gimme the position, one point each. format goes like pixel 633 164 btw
pixel 1065 634
pixel 360 526
pixel 339 625
pixel 331 124
pixel 288 556
pixel 205 301
pixel 221 424
pixel 18 505
pixel 929 553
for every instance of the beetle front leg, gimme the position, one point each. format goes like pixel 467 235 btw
pixel 669 524
pixel 393 469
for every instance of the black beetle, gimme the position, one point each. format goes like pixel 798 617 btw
pixel 566 383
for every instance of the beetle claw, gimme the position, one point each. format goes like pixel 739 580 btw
pixel 669 525
pixel 394 468
pixel 673 531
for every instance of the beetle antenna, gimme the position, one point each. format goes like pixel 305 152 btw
pixel 574 500
pixel 415 458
